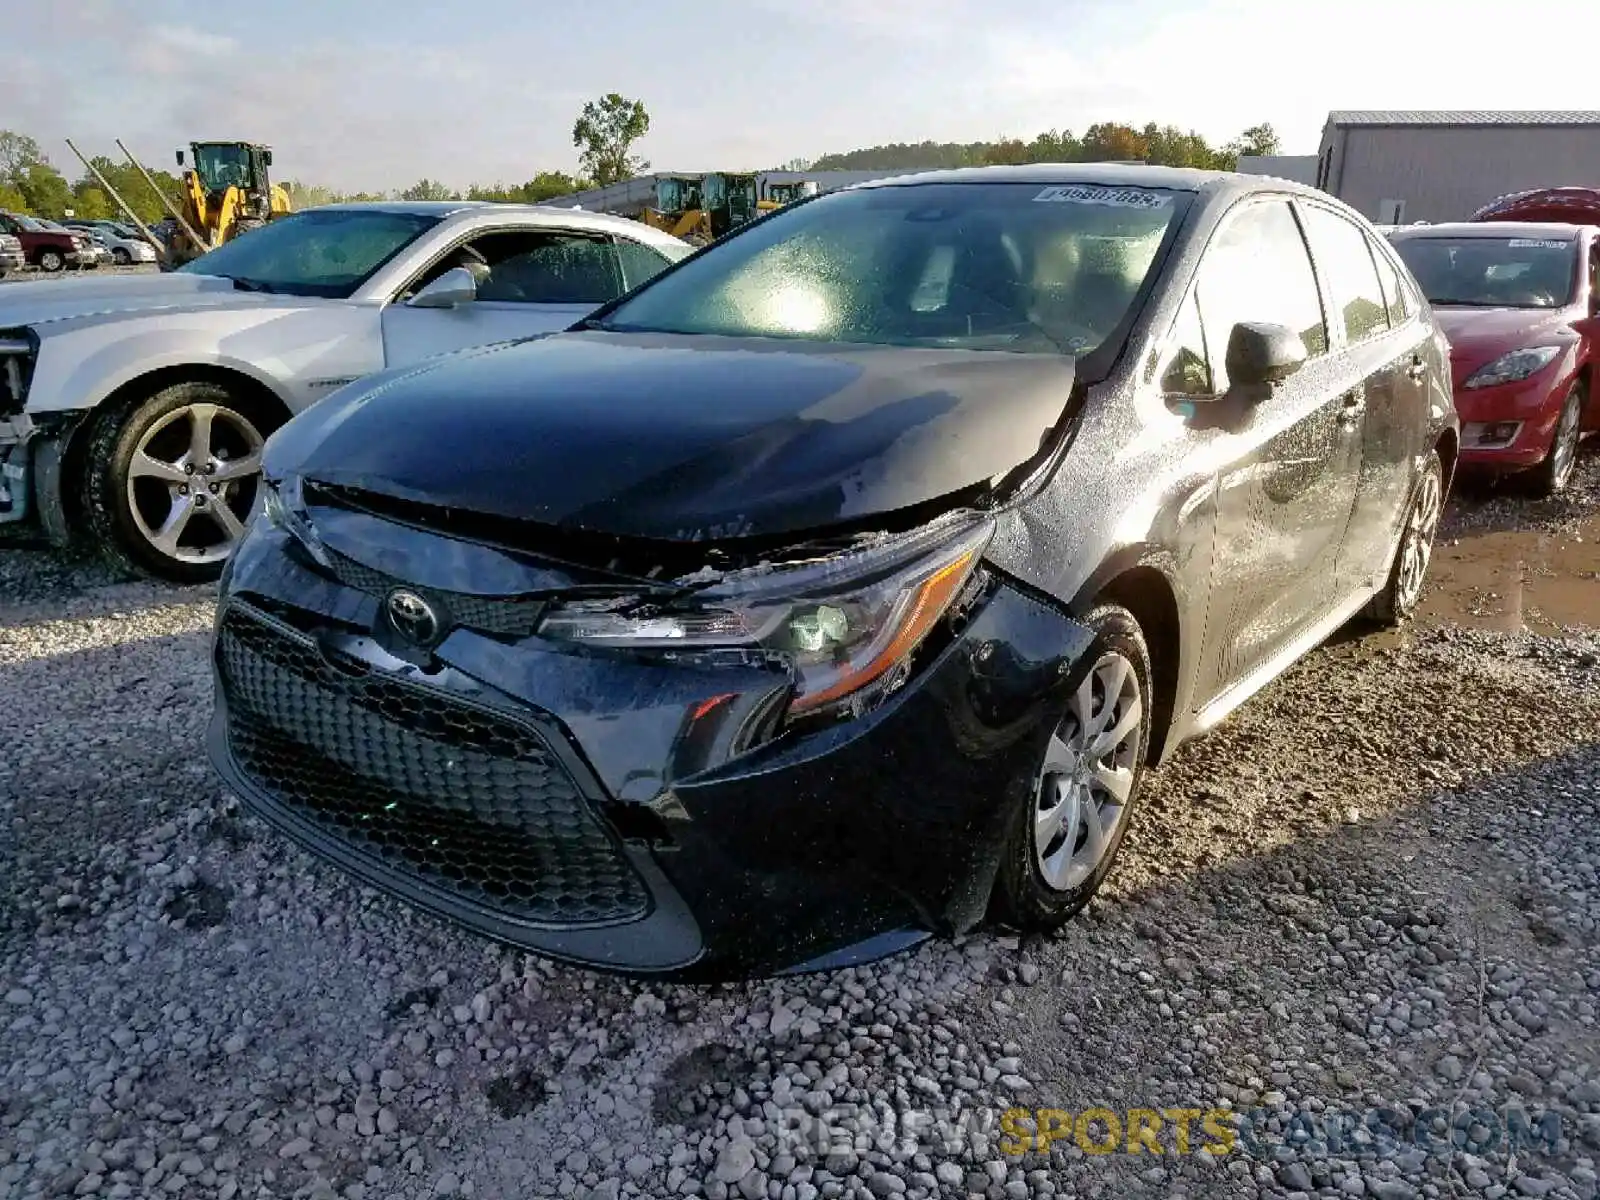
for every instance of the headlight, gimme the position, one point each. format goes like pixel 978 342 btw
pixel 283 507
pixel 847 625
pixel 1509 368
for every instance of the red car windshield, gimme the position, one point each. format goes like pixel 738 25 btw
pixel 1493 272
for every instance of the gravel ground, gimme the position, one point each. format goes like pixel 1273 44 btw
pixel 107 269
pixel 1373 893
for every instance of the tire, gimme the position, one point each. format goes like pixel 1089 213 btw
pixel 1042 882
pixel 1550 477
pixel 1403 589
pixel 51 261
pixel 121 257
pixel 151 505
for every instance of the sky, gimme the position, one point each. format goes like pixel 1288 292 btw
pixel 375 94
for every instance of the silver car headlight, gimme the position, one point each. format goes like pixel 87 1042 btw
pixel 847 625
pixel 1510 368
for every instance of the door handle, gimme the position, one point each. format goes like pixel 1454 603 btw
pixel 1417 370
pixel 1354 405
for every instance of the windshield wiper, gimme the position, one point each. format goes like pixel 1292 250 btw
pixel 250 285
pixel 1454 302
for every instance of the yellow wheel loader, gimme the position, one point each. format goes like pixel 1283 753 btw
pixel 701 208
pixel 780 194
pixel 226 192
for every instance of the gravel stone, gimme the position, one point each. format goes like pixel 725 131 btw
pixel 1287 929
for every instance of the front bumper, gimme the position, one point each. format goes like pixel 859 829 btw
pixel 636 828
pixel 1532 404
pixel 12 260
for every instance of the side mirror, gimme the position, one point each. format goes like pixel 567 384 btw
pixel 455 287
pixel 180 158
pixel 1589 327
pixel 1261 354
pixel 266 158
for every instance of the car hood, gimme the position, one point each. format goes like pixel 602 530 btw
pixel 41 301
pixel 1481 335
pixel 681 437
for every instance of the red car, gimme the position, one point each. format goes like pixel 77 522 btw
pixel 1520 304
pixel 46 248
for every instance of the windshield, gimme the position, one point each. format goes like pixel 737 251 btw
pixel 996 266
pixel 319 252
pixel 221 166
pixel 30 224
pixel 1492 272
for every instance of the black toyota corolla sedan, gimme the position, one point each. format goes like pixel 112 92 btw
pixel 835 588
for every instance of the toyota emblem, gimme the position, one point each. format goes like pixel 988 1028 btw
pixel 412 617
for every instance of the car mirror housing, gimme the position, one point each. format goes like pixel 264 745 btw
pixel 455 287
pixel 1261 354
pixel 1589 327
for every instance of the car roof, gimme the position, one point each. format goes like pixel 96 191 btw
pixel 1543 230
pixel 446 209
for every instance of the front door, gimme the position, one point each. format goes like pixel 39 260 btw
pixel 1287 469
pixel 531 281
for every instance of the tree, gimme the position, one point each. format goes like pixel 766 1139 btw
pixel 428 189
pixel 44 189
pixel 12 200
pixel 1257 140
pixel 18 151
pixel 89 203
pixel 605 132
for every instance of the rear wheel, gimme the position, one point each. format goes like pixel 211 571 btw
pixel 1551 476
pixel 121 257
pixel 170 481
pixel 1061 844
pixel 1400 594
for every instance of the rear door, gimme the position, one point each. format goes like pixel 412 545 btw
pixel 1286 482
pixel 532 281
pixel 1383 364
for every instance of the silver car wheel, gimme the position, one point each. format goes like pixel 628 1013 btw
pixel 193 480
pixel 1088 774
pixel 1564 447
pixel 1416 549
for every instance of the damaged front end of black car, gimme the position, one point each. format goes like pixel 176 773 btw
pixel 665 652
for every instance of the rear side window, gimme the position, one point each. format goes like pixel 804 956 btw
pixel 1345 258
pixel 1257 269
pixel 1395 296
pixel 639 262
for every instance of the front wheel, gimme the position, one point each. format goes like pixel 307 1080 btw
pixel 121 257
pixel 1060 845
pixel 169 482
pixel 1550 477
pixel 51 261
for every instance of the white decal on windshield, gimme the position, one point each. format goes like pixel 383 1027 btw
pixel 1535 244
pixel 1115 197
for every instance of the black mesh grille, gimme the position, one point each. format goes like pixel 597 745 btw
pixel 469 801
pixel 489 614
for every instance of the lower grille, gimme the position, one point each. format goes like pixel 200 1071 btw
pixel 469 802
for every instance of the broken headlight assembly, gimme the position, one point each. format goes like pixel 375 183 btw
pixel 847 625
pixel 283 507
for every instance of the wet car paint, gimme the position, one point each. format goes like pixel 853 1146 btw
pixel 1240 534
pixel 693 438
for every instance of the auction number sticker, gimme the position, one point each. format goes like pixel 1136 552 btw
pixel 1114 197
pixel 1535 244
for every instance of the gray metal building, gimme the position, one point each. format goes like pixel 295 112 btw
pixel 1398 167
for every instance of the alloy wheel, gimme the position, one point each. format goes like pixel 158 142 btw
pixel 192 482
pixel 1416 550
pixel 1564 447
pixel 1088 774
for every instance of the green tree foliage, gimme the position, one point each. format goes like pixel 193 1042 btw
pixel 546 185
pixel 131 186
pixel 1258 139
pixel 89 203
pixel 1166 145
pixel 11 200
pixel 605 132
pixel 904 155
pixel 429 189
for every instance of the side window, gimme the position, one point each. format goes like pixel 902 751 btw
pixel 530 266
pixel 1187 373
pixel 1394 294
pixel 639 262
pixel 556 268
pixel 1257 269
pixel 1342 253
pixel 1594 272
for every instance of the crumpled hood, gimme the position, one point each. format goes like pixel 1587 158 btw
pixel 681 437
pixel 1480 335
pixel 40 302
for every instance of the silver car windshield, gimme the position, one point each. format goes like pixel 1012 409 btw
pixel 313 253
pixel 1025 267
